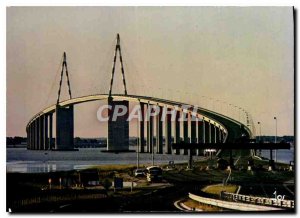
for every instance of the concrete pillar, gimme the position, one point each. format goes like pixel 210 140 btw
pixel 206 131
pixel 37 134
pixel 149 130
pixel 221 136
pixel 159 133
pixel 168 133
pixel 200 135
pixel 210 132
pixel 177 131
pixel 41 129
pixel 32 136
pixel 219 131
pixel 193 133
pixel 213 133
pixel 118 128
pixel 27 138
pixel 46 137
pixel 141 127
pixel 65 128
pixel 50 131
pixel 186 131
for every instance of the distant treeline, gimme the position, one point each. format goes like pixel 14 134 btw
pixel 100 142
pixel 17 140
pixel 289 139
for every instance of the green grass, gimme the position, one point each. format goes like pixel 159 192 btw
pixel 217 189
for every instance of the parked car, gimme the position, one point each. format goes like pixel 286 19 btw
pixel 154 174
pixel 139 172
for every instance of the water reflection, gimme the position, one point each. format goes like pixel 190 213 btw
pixel 29 161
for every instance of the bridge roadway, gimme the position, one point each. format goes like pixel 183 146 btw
pixel 232 129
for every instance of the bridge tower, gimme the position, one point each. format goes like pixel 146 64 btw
pixel 118 129
pixel 64 116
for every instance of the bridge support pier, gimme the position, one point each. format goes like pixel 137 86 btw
pixel 141 127
pixel 149 129
pixel 37 134
pixel 64 128
pixel 50 131
pixel 193 133
pixel 219 138
pixel 168 133
pixel 33 135
pixel 33 139
pixel 46 138
pixel 41 129
pixel 118 129
pixel 177 131
pixel 159 133
pixel 200 135
pixel 28 140
pixel 213 133
pixel 185 130
pixel 206 131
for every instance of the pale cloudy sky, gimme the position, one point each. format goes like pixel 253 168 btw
pixel 240 55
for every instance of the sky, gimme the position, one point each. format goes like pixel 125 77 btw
pixel 241 56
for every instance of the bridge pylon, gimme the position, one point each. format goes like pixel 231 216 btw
pixel 64 66
pixel 118 130
pixel 64 116
pixel 117 49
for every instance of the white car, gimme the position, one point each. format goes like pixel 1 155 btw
pixel 139 172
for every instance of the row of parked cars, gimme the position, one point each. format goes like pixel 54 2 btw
pixel 152 173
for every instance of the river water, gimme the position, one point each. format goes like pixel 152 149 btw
pixel 31 161
pixel 283 156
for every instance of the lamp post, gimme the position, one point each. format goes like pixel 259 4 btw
pixel 259 137
pixel 138 143
pixel 259 131
pixel 275 137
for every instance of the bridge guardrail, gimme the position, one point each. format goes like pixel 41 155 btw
pixel 258 200
pixel 232 205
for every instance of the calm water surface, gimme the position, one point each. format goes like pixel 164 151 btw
pixel 29 161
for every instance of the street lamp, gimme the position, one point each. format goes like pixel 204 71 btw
pixel 259 131
pixel 259 123
pixel 275 138
pixel 138 142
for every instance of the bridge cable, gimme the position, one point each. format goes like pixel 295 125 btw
pixel 64 65
pixel 118 48
pixel 105 66
pixel 53 82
